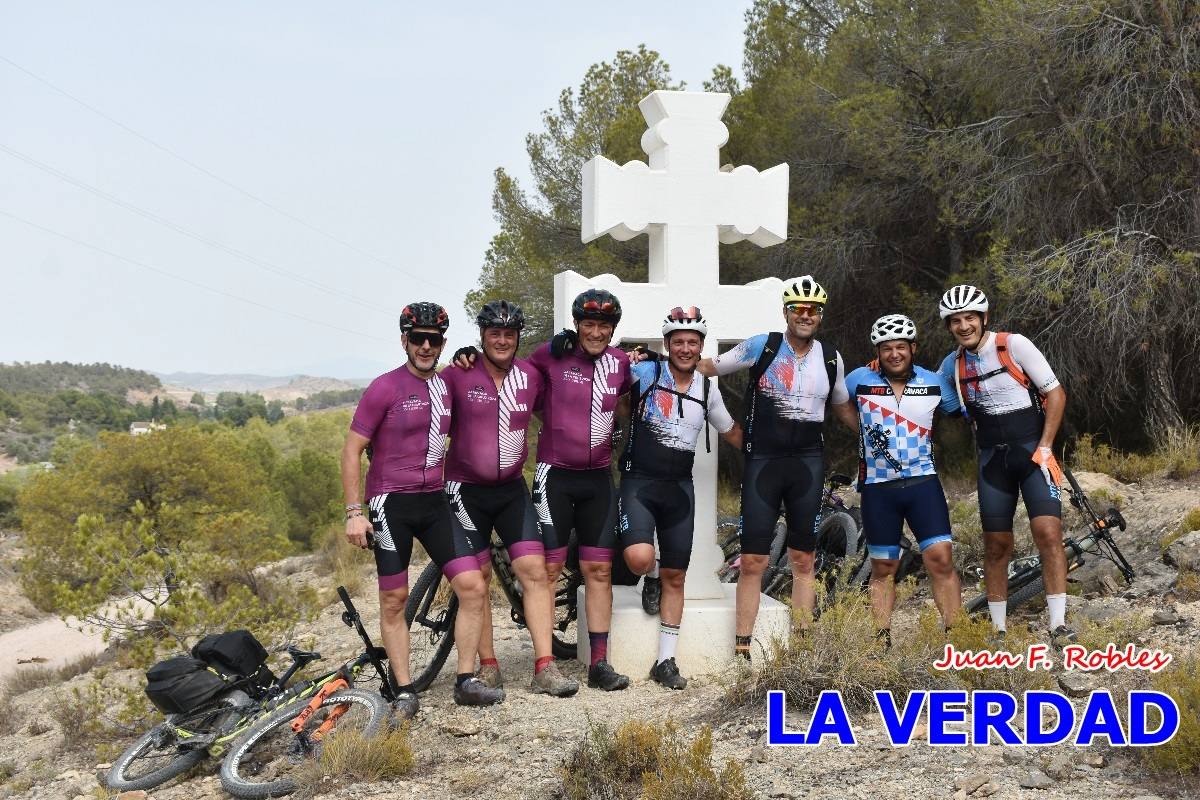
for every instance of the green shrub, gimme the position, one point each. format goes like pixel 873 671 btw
pixel 1181 755
pixel 648 760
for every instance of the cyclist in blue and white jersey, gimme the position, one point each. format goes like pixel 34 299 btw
pixel 896 401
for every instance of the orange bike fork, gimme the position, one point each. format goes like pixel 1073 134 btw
pixel 328 689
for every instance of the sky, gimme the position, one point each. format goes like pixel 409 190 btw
pixel 260 187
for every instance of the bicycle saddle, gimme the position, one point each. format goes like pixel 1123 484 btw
pixel 302 656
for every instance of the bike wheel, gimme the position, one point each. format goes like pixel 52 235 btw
pixel 837 540
pixel 1016 598
pixel 263 762
pixel 430 612
pixel 565 640
pixel 163 752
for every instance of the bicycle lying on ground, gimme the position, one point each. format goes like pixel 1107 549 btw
pixel 1025 574
pixel 184 740
pixel 432 608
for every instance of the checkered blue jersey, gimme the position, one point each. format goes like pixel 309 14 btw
pixel 896 436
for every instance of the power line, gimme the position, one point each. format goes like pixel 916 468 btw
pixel 166 223
pixel 189 281
pixel 163 148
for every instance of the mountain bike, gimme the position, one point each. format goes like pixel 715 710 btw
pixel 1025 574
pixel 184 740
pixel 432 608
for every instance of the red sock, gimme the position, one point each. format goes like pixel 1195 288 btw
pixel 488 662
pixel 542 663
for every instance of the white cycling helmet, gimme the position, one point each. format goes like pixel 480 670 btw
pixel 683 318
pixel 963 297
pixel 893 327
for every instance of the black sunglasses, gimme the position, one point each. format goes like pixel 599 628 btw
pixel 419 338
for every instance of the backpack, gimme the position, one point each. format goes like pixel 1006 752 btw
pixel 182 684
pixel 236 656
pixel 655 387
pixel 770 349
pixel 1007 365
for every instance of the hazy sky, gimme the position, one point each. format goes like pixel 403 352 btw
pixel 376 124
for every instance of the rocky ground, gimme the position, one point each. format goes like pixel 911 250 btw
pixel 516 749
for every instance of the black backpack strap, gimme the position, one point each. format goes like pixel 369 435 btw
pixel 769 351
pixel 829 352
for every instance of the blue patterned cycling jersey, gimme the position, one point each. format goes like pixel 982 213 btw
pixel 896 435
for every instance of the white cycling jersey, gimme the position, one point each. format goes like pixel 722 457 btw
pixel 1001 393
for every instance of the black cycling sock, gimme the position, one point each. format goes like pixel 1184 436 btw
pixel 741 646
pixel 462 677
pixel 408 687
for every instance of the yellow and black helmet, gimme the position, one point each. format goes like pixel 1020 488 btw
pixel 804 290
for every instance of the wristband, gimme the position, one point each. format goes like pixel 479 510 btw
pixel 353 506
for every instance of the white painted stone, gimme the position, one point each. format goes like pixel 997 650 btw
pixel 686 205
pixel 705 637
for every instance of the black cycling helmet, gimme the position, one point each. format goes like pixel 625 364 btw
pixel 599 304
pixel 501 314
pixel 424 315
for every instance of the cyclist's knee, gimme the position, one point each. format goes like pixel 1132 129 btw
pixel 531 571
pixel 600 571
pixel 391 602
pixel 938 559
pixel 640 558
pixel 998 546
pixel 753 565
pixel 802 561
pixel 470 588
pixel 672 578
pixel 884 567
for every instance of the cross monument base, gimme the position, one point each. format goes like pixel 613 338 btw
pixel 705 637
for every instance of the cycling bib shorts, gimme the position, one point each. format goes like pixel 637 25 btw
pixel 793 482
pixel 505 508
pixel 648 505
pixel 583 500
pixel 399 518
pixel 1005 471
pixel 887 506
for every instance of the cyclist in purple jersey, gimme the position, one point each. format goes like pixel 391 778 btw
pixel 586 381
pixel 493 402
pixel 405 415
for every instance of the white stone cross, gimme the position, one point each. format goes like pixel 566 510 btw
pixel 686 205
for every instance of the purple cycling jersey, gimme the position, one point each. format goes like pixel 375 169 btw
pixel 487 432
pixel 407 420
pixel 581 396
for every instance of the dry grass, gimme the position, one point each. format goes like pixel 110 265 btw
pixel 968 535
pixel 650 760
pixel 1189 523
pixel 345 563
pixel 1181 755
pixel 1176 456
pixel 27 679
pixel 350 758
pixel 1187 586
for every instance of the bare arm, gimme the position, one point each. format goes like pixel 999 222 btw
pixel 356 526
pixel 707 368
pixel 1056 405
pixel 846 415
pixel 734 435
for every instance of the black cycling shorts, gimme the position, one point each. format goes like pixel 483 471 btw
pixel 1005 471
pixel 583 500
pixel 424 516
pixel 505 508
pixel 793 482
pixel 667 506
pixel 887 506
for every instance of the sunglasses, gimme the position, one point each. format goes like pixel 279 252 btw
pixel 595 306
pixel 805 309
pixel 420 338
pixel 679 313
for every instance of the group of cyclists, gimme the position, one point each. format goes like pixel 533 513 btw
pixel 451 499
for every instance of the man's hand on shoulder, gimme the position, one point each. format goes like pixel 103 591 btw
pixel 464 357
pixel 639 354
pixel 563 342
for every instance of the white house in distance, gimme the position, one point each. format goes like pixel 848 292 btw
pixel 138 428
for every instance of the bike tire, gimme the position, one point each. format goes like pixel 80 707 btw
pixel 267 749
pixel 1016 598
pixel 158 742
pixel 430 641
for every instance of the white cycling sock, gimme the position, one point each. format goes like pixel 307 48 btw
pixel 668 637
pixel 653 570
pixel 1057 605
pixel 998 609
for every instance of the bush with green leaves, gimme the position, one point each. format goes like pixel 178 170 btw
pixel 159 537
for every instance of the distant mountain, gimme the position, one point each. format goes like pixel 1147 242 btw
pixel 181 385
